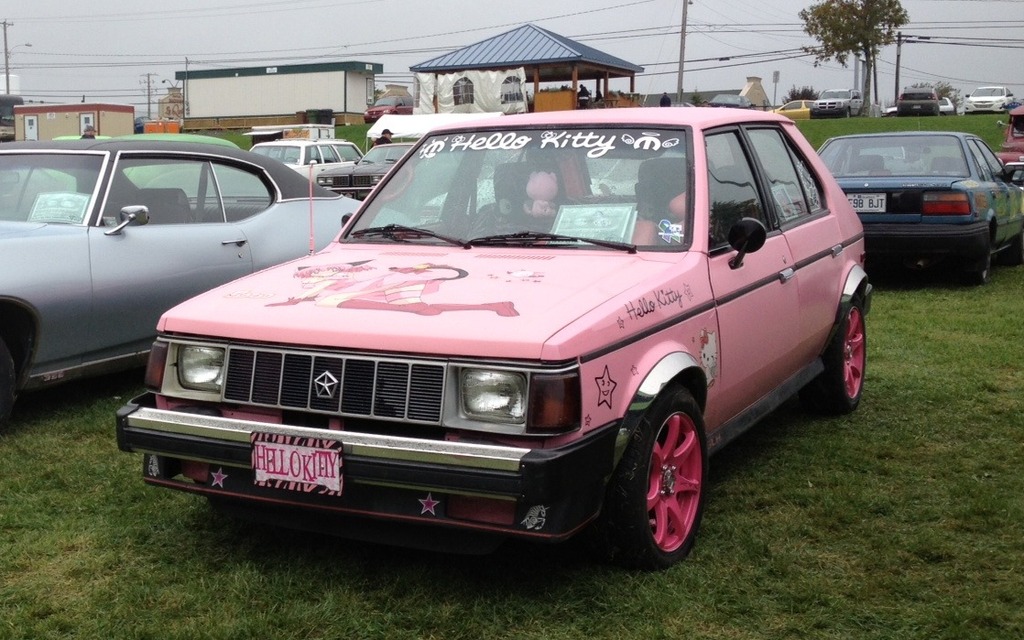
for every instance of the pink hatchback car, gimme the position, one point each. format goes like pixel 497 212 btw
pixel 535 325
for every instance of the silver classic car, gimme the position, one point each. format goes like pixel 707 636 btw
pixel 98 238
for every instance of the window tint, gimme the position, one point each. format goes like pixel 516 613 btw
pixel 986 157
pixel 328 153
pixel 48 187
pixel 184 191
pixel 731 186
pixel 792 186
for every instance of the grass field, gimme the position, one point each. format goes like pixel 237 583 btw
pixel 900 521
pixel 817 131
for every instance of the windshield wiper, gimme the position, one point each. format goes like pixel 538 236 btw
pixel 402 233
pixel 536 237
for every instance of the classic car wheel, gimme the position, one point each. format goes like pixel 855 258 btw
pixel 6 383
pixel 837 390
pixel 656 496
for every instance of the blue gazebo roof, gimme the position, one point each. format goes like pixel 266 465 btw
pixel 530 46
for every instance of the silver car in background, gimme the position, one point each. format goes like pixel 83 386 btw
pixel 99 237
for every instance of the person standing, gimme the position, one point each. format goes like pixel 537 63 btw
pixel 89 133
pixel 384 138
pixel 665 100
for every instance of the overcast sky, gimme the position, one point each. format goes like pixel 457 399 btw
pixel 129 52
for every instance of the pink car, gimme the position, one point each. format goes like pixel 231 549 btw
pixel 534 325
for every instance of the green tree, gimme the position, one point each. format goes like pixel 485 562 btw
pixel 803 93
pixel 853 27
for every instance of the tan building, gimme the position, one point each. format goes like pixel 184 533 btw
pixel 49 121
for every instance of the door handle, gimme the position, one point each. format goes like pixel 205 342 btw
pixel 239 242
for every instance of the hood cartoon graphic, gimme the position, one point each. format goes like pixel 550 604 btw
pixel 510 304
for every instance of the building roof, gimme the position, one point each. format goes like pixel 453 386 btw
pixel 533 47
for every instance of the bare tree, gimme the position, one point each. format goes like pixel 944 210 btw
pixel 847 27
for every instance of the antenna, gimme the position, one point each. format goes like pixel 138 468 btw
pixel 312 237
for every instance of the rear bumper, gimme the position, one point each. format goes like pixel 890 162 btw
pixel 505 491
pixel 892 240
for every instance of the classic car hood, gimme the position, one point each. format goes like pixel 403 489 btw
pixel 505 303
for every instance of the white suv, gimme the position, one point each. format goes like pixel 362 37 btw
pixel 299 154
pixel 990 99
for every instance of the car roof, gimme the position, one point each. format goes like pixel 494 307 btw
pixel 291 183
pixel 698 117
pixel 301 142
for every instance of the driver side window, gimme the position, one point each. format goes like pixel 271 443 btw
pixel 731 187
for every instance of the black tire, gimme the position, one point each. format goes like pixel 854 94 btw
pixel 7 384
pixel 655 499
pixel 1013 255
pixel 980 275
pixel 837 389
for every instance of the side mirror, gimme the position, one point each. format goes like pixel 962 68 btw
pixel 133 215
pixel 746 236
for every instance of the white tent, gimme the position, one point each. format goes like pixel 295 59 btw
pixel 416 125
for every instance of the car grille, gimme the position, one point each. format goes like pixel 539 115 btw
pixel 397 390
pixel 337 181
pixel 362 181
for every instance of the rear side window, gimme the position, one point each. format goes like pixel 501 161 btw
pixel 794 190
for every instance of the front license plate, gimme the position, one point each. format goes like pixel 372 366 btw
pixel 296 463
pixel 867 202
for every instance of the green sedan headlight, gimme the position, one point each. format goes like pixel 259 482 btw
pixel 495 396
pixel 201 368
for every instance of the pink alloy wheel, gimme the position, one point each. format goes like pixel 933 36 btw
pixel 854 353
pixel 673 495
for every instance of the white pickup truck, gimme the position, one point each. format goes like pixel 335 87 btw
pixel 837 103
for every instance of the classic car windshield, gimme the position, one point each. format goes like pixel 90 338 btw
pixel 619 186
pixel 50 187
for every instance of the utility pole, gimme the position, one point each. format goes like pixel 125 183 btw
pixel 682 53
pixel 899 47
pixel 149 96
pixel 7 59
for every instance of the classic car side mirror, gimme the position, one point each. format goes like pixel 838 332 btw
pixel 136 214
pixel 746 236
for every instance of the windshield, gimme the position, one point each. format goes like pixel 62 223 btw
pixel 53 188
pixel 987 92
pixel 385 153
pixel 618 186
pixel 388 102
pixel 832 94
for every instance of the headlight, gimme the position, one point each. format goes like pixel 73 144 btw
pixel 201 368
pixel 376 179
pixel 495 396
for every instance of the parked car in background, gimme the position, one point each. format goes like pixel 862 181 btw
pixel 98 238
pixel 987 100
pixel 796 109
pixel 929 197
pixel 918 101
pixel 837 103
pixel 534 324
pixel 306 156
pixel 388 105
pixel 1012 147
pixel 731 101
pixel 946 107
pixel 356 180
pixel 1016 171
